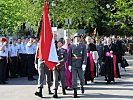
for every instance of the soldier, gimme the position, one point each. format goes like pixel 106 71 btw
pixel 59 70
pixel 77 63
pixel 13 53
pixel 22 58
pixel 3 60
pixel 42 71
pixel 31 49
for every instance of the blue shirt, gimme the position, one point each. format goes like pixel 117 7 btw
pixel 22 48
pixel 13 50
pixel 4 53
pixel 31 49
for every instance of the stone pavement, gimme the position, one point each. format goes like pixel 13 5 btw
pixel 122 89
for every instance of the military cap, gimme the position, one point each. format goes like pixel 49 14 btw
pixel 60 40
pixel 77 35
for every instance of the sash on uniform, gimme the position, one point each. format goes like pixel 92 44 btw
pixel 108 54
pixel 114 63
pixel 91 65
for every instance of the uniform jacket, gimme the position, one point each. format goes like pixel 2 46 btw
pixel 78 51
pixel 62 56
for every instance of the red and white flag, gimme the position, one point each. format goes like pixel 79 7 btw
pixel 47 49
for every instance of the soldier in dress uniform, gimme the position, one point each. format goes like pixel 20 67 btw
pixel 31 49
pixel 13 53
pixel 43 70
pixel 59 70
pixel 3 60
pixel 77 62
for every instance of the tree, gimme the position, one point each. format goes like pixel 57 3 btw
pixel 85 14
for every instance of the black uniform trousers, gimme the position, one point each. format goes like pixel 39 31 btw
pixel 23 65
pixel 30 59
pixel 3 67
pixel 13 67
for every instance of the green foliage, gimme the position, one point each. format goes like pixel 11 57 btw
pixel 81 12
pixel 121 19
pixel 85 14
pixel 15 12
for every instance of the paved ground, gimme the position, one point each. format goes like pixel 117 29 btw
pixel 21 89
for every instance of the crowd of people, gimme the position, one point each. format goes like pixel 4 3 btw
pixel 17 58
pixel 78 56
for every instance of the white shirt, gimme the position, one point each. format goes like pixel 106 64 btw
pixel 22 48
pixel 4 53
pixel 13 50
pixel 31 49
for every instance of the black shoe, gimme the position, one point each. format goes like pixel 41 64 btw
pixel 105 79
pixel 82 90
pixel 66 87
pixel 55 94
pixel 92 80
pixel 63 91
pixel 75 93
pixel 39 94
pixel 85 82
pixel 49 91
pixel 119 76
pixel 108 82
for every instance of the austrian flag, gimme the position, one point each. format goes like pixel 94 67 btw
pixel 47 49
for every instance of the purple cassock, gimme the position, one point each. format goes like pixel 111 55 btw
pixel 68 73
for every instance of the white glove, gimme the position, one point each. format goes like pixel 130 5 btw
pixel 5 43
pixel 70 67
pixel 83 67
pixel 36 66
pixel 58 64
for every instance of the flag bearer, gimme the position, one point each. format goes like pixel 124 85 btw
pixel 43 70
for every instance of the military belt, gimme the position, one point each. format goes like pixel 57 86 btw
pixel 76 58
